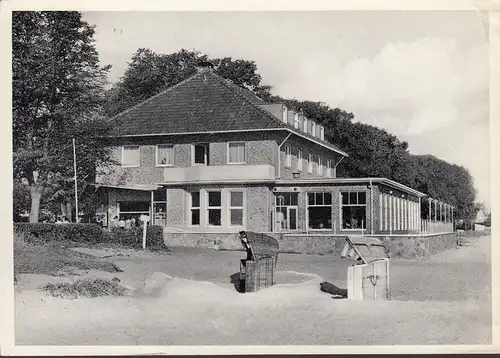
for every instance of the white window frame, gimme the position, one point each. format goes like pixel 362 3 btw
pixel 320 166
pixel 244 152
pixel 193 145
pixel 322 133
pixel 328 168
pixel 284 117
pixel 319 206
pixel 288 156
pixel 156 155
pixel 313 129
pixel 296 121
pixel 304 127
pixel 123 152
pixel 208 207
pixel 310 163
pixel 242 208
pixel 191 207
pixel 351 205
pixel 299 160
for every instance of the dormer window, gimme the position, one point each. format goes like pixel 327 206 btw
pixel 322 133
pixel 305 124
pixel 296 121
pixel 285 114
pixel 313 128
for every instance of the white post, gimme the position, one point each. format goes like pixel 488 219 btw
pixel 76 188
pixel 390 214
pixel 419 216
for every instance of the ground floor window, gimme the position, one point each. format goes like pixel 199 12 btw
pixel 236 207
pixel 214 208
pixel 286 211
pixel 195 208
pixel 132 209
pixel 319 210
pixel 353 210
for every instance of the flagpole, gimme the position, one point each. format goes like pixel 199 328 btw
pixel 76 188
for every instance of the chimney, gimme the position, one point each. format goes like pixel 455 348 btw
pixel 204 66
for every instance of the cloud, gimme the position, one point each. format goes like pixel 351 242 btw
pixel 411 88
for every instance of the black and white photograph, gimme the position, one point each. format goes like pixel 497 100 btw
pixel 249 177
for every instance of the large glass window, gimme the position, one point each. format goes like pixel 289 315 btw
pixel 131 156
pixel 236 207
pixel 165 155
pixel 353 210
pixel 195 208
pixel 319 210
pixel 236 153
pixel 214 208
pixel 286 211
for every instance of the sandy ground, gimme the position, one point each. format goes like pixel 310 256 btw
pixel 187 298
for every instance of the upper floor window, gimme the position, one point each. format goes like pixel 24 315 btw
pixel 288 156
pixel 200 154
pixel 131 156
pixel 313 129
pixel 310 163
pixel 329 168
pixel 164 155
pixel 320 166
pixel 305 125
pixel 236 152
pixel 322 133
pixel 299 160
pixel 296 121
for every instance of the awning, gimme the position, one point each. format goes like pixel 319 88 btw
pixel 142 187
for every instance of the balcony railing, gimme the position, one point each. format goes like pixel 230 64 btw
pixel 219 173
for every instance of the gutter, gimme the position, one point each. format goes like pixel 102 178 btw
pixel 279 154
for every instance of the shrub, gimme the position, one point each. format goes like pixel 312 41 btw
pixel 44 232
pixel 133 237
pixel 87 288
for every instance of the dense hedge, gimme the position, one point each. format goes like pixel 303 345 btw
pixel 91 233
pixel 133 237
pixel 61 232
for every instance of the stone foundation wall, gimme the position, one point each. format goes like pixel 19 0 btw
pixel 401 247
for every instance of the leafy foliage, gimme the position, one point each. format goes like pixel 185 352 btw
pixel 57 95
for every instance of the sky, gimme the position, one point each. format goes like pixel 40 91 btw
pixel 421 75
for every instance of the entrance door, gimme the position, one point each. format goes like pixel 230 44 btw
pixel 286 211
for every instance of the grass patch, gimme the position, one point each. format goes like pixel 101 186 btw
pixel 53 259
pixel 90 288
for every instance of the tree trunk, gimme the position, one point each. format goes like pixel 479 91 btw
pixel 36 196
pixel 69 211
pixel 63 209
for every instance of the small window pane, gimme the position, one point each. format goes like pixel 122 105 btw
pixel 361 197
pixel 294 199
pixel 345 198
pixel 160 195
pixel 327 198
pixel 310 197
pixel 195 217
pixel 214 198
pixel 237 217
pixel 353 198
pixel 319 198
pixel 195 199
pixel 214 217
pixel 236 198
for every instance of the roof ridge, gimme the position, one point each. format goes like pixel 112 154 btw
pixel 156 95
pixel 270 115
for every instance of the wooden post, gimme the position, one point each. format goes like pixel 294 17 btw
pixel 145 219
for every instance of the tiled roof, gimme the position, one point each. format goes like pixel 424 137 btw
pixel 204 102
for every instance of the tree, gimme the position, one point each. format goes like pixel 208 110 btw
pixel 57 90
